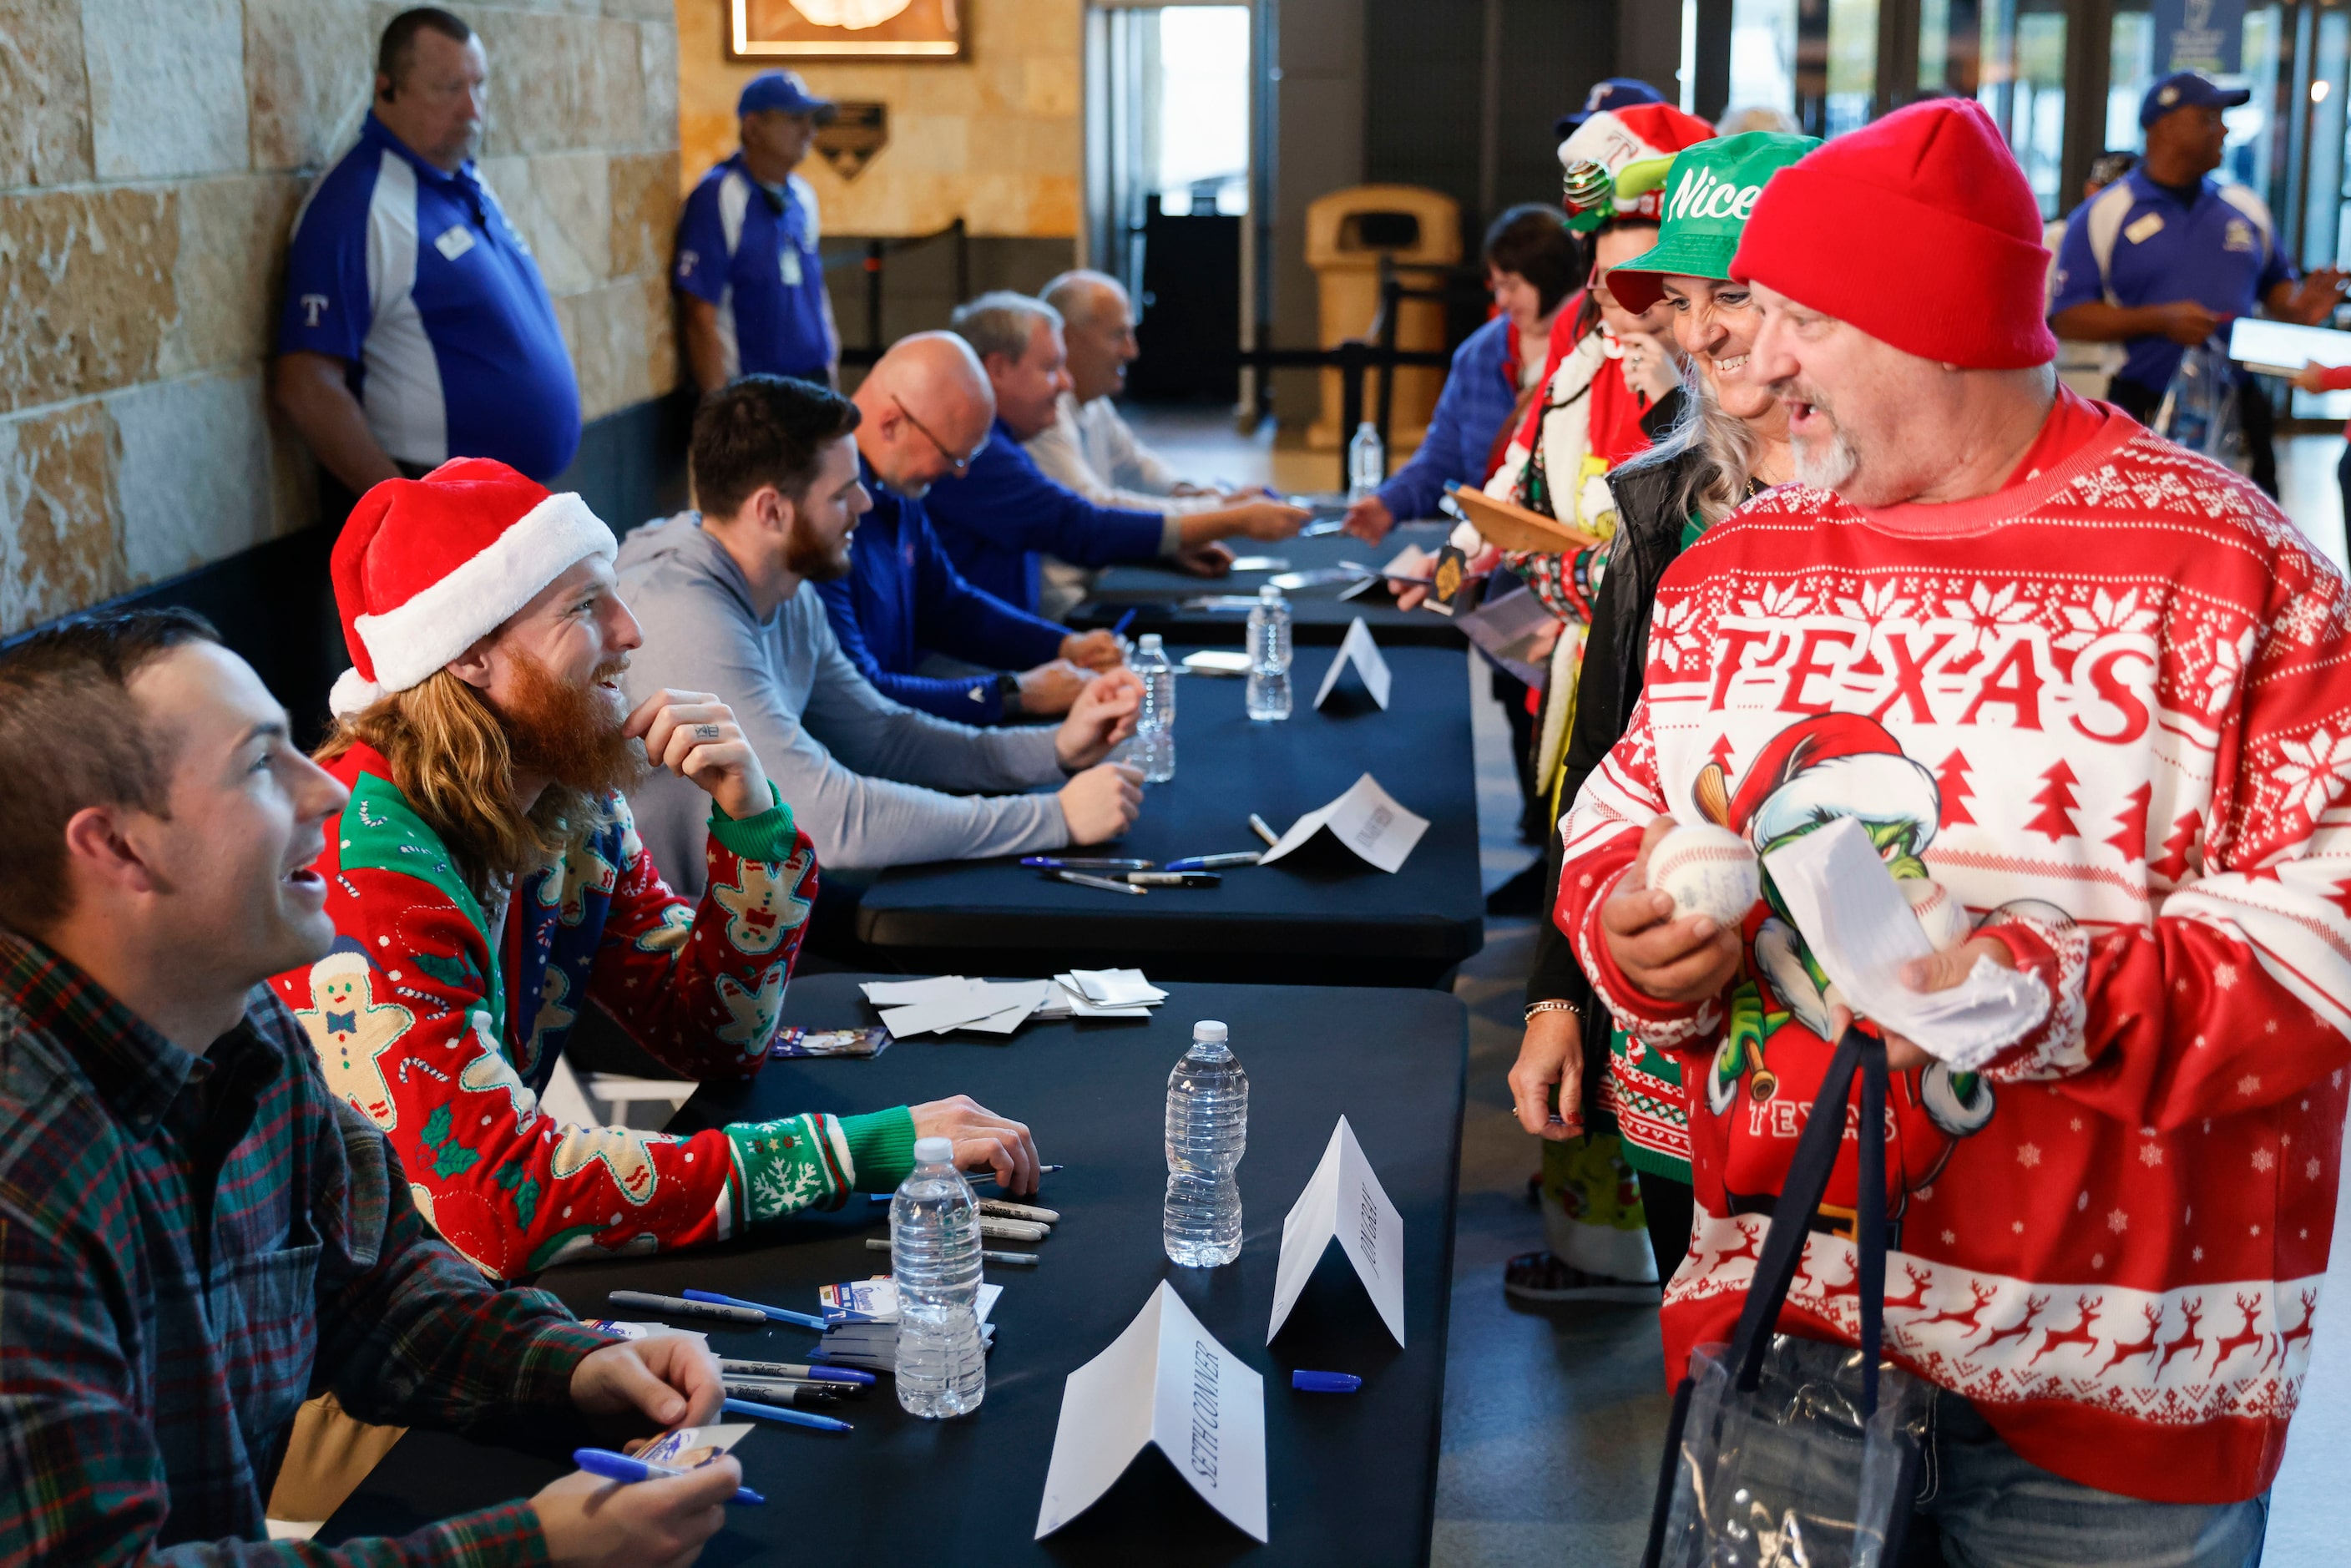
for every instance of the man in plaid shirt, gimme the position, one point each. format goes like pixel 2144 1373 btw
pixel 195 1233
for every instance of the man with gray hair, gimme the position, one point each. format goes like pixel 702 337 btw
pixel 1000 514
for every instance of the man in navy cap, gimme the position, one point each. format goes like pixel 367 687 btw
pixel 417 328
pixel 1615 92
pixel 2164 257
pixel 746 259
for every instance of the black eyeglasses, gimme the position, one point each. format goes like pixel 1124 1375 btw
pixel 958 466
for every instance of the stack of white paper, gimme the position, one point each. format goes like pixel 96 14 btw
pixel 1101 994
pixel 950 1001
pixel 861 1319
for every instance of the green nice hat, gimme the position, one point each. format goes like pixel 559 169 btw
pixel 1711 189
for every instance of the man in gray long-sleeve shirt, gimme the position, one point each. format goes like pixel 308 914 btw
pixel 719 595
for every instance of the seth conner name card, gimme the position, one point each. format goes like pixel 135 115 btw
pixel 1164 1380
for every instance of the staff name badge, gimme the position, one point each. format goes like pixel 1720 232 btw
pixel 2144 229
pixel 453 241
pixel 1343 1202
pixel 789 262
pixel 1358 649
pixel 1164 1380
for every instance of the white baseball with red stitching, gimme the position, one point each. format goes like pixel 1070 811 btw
pixel 1707 869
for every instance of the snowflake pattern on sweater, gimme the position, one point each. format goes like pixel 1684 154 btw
pixel 446 1048
pixel 2109 710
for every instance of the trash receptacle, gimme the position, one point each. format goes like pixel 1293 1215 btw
pixel 1348 232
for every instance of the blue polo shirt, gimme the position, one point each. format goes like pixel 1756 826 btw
pixel 416 279
pixel 2219 250
pixel 751 251
pixel 902 599
pixel 999 516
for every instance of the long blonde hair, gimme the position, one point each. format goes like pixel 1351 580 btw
pixel 1716 486
pixel 451 759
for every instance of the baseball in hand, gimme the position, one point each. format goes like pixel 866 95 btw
pixel 1944 917
pixel 1708 870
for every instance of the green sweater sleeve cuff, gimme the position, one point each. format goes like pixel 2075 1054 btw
pixel 881 1146
pixel 768 836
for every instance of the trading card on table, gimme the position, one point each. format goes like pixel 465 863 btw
pixel 690 1447
pixel 1454 589
pixel 800 1041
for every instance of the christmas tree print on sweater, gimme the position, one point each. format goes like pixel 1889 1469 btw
pixel 444 1044
pixel 2131 646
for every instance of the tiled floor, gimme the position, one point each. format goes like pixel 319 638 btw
pixel 1553 1420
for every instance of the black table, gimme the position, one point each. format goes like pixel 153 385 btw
pixel 1349 1480
pixel 1319 916
pixel 1316 615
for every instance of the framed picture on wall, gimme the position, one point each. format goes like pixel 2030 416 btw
pixel 845 29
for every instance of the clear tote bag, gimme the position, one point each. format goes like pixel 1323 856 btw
pixel 1787 1452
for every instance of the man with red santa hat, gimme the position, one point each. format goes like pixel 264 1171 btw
pixel 2124 676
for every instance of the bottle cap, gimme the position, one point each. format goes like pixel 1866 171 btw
pixel 1209 1031
pixel 1148 643
pixel 1269 592
pixel 933 1151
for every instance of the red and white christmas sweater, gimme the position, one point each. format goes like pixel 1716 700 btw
pixel 2108 707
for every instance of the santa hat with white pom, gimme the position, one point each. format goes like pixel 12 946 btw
pixel 426 568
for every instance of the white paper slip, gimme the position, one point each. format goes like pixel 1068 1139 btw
pixel 1366 819
pixel 1861 932
pixel 1077 1004
pixel 1117 988
pixel 1358 649
pixel 904 993
pixel 1217 662
pixel 1164 1380
pixel 951 1002
pixel 1344 1202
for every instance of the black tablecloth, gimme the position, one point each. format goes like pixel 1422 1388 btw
pixel 1349 1479
pixel 1320 915
pixel 1316 615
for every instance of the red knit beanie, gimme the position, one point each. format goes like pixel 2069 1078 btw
pixel 1920 230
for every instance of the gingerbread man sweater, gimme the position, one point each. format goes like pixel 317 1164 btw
pixel 2109 709
pixel 445 1044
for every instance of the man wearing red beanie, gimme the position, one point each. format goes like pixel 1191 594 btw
pixel 2088 694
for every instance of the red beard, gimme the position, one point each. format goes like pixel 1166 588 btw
pixel 564 733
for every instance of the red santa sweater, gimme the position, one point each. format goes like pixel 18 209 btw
pixel 2109 709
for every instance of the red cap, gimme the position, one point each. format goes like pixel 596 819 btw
pixel 1920 230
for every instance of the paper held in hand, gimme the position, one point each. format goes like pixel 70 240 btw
pixel 1366 819
pixel 1861 932
pixel 1344 1202
pixel 1164 1380
pixel 1358 648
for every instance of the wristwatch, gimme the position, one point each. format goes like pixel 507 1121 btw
pixel 1008 688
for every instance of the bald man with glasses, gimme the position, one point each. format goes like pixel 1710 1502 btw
pixel 927 409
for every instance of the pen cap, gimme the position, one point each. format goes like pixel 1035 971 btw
pixel 1208 1031
pixel 933 1151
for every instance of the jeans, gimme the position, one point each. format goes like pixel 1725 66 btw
pixel 1992 1507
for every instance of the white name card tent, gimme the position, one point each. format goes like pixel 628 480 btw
pixel 1343 1202
pixel 1366 819
pixel 1164 1380
pixel 1861 930
pixel 1358 649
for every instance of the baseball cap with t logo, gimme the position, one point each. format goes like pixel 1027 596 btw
pixel 1709 192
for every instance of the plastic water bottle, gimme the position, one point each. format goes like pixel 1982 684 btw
pixel 1367 461
pixel 1155 725
pixel 935 1257
pixel 1269 649
pixel 1207 1129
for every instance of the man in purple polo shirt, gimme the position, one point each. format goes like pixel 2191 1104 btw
pixel 417 328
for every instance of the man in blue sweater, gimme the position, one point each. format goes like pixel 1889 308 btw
pixel 999 514
pixel 923 408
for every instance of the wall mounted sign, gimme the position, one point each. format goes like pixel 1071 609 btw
pixel 845 29
pixel 2206 35
pixel 858 131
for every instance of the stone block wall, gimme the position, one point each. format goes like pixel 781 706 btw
pixel 152 156
pixel 996 138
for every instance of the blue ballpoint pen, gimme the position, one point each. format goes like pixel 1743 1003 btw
pixel 1213 863
pixel 615 1467
pixel 778 1413
pixel 780 1314
pixel 1124 622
